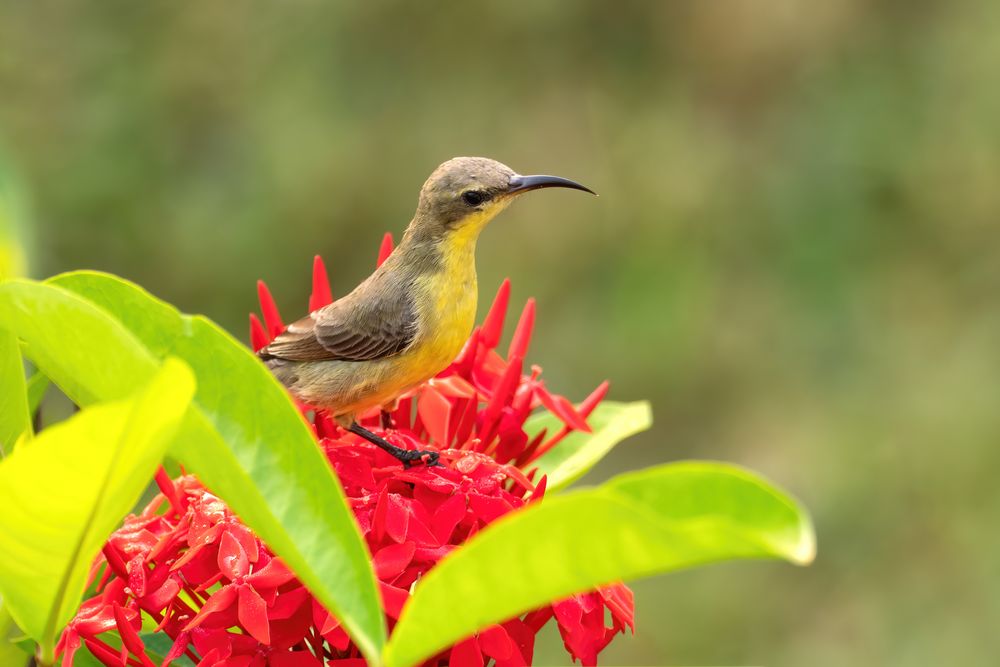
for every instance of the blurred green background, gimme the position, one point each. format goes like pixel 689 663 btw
pixel 794 254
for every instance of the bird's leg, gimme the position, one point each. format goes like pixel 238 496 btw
pixel 407 456
pixel 387 411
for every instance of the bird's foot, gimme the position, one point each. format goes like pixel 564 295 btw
pixel 406 456
pixel 425 456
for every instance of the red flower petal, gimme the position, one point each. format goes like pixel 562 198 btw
pixel 246 539
pixel 397 518
pixel 524 640
pixel 253 614
pixel 272 575
pixel 137 575
pixel 496 643
pixel 233 561
pixel 267 306
pixel 321 294
pixel 258 337
pixel 453 386
pixel 212 658
pixel 488 508
pixel 393 599
pixel 162 596
pixel 522 334
pixel 493 324
pixel 502 393
pixel 435 413
pixel 385 249
pixel 620 601
pixel 221 600
pixel 447 517
pixel 288 603
pixel 67 646
pixel 179 647
pixel 391 560
pixel 294 659
pixel 127 621
pixel 466 654
pixel 103 652
pixel 563 409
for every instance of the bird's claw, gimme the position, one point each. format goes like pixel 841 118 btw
pixel 425 456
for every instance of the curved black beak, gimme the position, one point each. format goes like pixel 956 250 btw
pixel 520 184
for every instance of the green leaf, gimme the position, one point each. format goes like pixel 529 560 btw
pixel 15 418
pixel 578 452
pixel 89 355
pixel 10 652
pixel 659 520
pixel 158 644
pixel 63 495
pixel 266 465
pixel 38 384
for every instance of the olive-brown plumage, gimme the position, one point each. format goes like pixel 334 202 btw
pixel 409 318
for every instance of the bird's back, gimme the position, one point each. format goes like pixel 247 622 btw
pixel 398 328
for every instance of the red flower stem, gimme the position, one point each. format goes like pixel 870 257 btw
pixel 532 447
pixel 317 644
pixel 195 595
pixel 103 652
pixel 208 583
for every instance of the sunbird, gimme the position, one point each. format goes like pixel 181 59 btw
pixel 410 318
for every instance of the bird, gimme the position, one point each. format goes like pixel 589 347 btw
pixel 410 318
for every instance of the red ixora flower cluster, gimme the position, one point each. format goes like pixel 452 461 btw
pixel 207 582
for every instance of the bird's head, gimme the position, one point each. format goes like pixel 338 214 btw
pixel 465 193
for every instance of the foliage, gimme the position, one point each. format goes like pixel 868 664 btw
pixel 657 520
pixel 63 494
pixel 272 481
pixel 101 339
pixel 578 452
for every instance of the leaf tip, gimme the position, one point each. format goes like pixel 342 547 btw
pixel 804 552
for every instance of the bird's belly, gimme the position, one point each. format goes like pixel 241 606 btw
pixel 345 387
pixel 445 319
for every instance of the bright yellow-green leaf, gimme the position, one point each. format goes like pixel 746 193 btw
pixel 15 418
pixel 10 653
pixel 89 355
pixel 62 496
pixel 578 452
pixel 246 440
pixel 38 384
pixel 658 520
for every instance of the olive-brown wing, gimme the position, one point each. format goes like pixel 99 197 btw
pixel 340 332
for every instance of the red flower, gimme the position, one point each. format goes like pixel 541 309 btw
pixel 224 599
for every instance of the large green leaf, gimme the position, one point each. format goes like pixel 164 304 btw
pixel 10 652
pixel 14 416
pixel 266 465
pixel 63 495
pixel 662 519
pixel 88 354
pixel 578 452
pixel 38 384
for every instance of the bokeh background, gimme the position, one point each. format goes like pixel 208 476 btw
pixel 794 255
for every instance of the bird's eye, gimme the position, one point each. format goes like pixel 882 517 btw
pixel 474 197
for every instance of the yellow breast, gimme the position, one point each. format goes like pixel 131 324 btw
pixel 447 312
